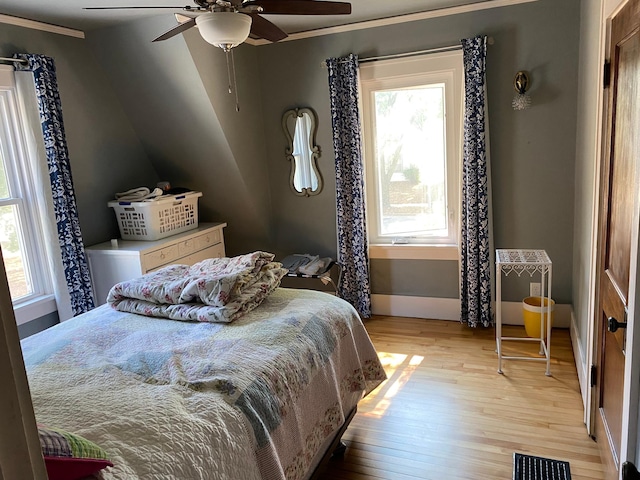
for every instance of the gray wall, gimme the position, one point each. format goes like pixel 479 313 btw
pixel 532 151
pixel 34 326
pixel 105 153
pixel 138 112
pixel 175 95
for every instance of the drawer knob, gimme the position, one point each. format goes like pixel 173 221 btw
pixel 162 255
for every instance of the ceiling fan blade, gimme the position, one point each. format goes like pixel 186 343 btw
pixel 182 17
pixel 300 7
pixel 177 29
pixel 131 8
pixel 263 28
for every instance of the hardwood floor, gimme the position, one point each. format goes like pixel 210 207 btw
pixel 445 413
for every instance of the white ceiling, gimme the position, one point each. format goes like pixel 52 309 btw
pixel 70 13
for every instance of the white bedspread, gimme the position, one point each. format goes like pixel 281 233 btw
pixel 180 400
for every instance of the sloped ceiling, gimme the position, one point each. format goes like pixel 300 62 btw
pixel 187 133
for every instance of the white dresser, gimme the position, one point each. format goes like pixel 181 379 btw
pixel 110 264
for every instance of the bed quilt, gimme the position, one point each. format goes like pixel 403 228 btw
pixel 252 399
pixel 213 290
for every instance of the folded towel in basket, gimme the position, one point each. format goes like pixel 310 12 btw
pixel 139 194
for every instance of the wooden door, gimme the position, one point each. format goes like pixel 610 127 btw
pixel 619 207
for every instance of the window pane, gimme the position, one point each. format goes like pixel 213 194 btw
pixel 14 253
pixel 411 161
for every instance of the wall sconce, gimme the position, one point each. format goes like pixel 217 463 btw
pixel 521 100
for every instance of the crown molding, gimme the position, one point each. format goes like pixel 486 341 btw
pixel 45 27
pixel 410 17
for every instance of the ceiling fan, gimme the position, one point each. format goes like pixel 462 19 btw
pixel 228 23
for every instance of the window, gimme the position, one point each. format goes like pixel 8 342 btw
pixel 412 123
pixel 20 231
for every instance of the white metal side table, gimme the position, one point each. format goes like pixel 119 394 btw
pixel 519 262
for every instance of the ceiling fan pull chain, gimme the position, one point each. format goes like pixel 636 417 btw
pixel 235 83
pixel 226 52
pixel 231 67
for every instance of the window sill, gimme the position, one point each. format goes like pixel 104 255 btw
pixel 414 252
pixel 35 308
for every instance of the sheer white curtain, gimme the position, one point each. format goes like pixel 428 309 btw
pixel 28 105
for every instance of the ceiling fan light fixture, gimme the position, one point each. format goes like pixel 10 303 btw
pixel 224 29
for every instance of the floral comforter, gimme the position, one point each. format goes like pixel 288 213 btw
pixel 251 399
pixel 214 290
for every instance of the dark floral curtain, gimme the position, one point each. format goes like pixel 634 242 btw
pixel 475 285
pixel 64 200
pixel 353 251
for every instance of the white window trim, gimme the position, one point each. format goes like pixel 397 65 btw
pixel 414 252
pixel 34 308
pixel 41 301
pixel 398 73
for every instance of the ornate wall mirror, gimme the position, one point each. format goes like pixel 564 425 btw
pixel 300 126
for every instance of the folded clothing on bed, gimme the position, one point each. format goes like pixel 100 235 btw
pixel 214 290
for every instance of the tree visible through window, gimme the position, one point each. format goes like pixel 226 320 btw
pixel 412 127
pixel 411 161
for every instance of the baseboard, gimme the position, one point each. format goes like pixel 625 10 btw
pixel 581 365
pixel 449 309
pixel 416 307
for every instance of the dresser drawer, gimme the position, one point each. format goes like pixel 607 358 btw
pixel 111 263
pixel 217 251
pixel 207 240
pixel 160 257
pixel 187 247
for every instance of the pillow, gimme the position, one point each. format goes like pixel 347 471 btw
pixel 68 456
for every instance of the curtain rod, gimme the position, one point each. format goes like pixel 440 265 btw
pixel 12 60
pixel 450 48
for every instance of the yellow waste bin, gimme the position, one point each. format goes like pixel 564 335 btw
pixel 531 310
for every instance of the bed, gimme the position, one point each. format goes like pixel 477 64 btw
pixel 263 396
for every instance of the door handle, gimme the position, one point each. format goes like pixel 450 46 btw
pixel 613 325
